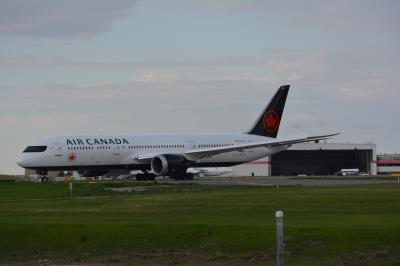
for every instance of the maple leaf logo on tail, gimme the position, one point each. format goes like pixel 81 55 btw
pixel 268 122
pixel 271 121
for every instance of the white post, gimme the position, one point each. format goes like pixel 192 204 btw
pixel 70 189
pixel 279 238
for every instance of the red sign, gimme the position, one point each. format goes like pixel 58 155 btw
pixel 271 121
pixel 71 157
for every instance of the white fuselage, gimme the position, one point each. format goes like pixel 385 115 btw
pixel 123 151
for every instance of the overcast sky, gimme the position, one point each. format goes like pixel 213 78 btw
pixel 130 66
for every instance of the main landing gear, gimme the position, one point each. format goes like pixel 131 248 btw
pixel 146 176
pixel 185 176
pixel 178 175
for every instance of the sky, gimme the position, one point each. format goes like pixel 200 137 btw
pixel 154 66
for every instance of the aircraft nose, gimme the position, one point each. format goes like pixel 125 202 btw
pixel 21 162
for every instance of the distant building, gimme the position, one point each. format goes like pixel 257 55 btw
pixel 260 167
pixel 313 159
pixel 388 164
pixel 324 159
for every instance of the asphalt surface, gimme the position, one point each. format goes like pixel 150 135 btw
pixel 281 181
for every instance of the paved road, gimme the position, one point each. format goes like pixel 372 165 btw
pixel 282 181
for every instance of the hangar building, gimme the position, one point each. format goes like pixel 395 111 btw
pixel 261 167
pixel 313 159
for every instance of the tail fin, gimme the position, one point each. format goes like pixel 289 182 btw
pixel 268 123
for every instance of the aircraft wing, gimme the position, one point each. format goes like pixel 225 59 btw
pixel 145 158
pixel 196 154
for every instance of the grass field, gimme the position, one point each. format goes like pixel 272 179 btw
pixel 197 225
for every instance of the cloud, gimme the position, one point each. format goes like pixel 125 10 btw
pixel 67 19
pixel 374 87
pixel 56 61
pixel 277 67
pixel 338 15
pixel 160 78
pixel 304 121
pixel 359 26
pixel 154 77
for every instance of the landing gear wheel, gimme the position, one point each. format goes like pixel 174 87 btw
pixel 189 176
pixel 146 177
pixel 44 179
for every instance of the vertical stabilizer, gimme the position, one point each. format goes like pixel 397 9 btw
pixel 268 122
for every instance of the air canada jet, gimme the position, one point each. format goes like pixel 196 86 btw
pixel 162 154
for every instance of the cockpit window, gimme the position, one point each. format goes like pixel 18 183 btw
pixel 35 149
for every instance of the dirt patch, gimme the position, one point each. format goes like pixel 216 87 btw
pixel 377 257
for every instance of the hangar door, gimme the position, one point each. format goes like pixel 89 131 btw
pixel 319 162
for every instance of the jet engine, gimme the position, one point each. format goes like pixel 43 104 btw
pixel 166 163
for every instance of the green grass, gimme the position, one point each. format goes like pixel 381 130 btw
pixel 198 225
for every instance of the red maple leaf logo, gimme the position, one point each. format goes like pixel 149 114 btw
pixel 71 157
pixel 271 121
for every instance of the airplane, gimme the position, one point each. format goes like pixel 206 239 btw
pixel 162 154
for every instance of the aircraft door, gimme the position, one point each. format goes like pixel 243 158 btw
pixel 57 149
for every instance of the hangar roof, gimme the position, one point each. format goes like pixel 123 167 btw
pixel 332 146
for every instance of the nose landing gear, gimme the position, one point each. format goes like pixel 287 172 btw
pixel 43 176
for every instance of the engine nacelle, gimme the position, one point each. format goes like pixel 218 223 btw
pixel 165 163
pixel 92 173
